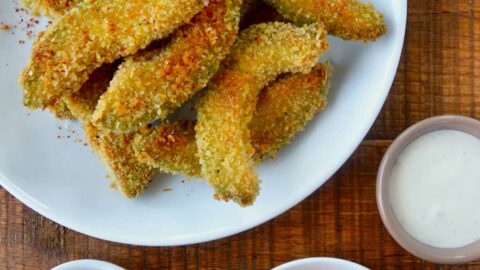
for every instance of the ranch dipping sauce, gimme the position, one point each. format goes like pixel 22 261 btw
pixel 435 188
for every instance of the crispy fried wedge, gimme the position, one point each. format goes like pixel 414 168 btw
pixel 284 108
pixel 282 111
pixel 348 19
pixel 260 54
pixel 53 9
pixel 56 8
pixel 128 175
pixel 150 86
pixel 92 34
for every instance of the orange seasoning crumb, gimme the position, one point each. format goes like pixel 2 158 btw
pixel 167 189
pixel 112 185
pixel 4 26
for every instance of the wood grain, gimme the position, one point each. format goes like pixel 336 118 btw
pixel 439 73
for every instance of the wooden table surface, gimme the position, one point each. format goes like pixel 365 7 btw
pixel 439 73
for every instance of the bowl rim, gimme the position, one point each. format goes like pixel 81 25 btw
pixel 87 264
pixel 310 261
pixel 424 251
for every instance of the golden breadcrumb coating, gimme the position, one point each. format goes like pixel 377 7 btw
pixel 151 85
pixel 52 8
pixel 83 102
pixel 92 34
pixel 285 107
pixel 268 49
pixel 55 8
pixel 60 110
pixel 170 147
pixel 129 176
pixel 259 55
pixel 348 19
pixel 282 111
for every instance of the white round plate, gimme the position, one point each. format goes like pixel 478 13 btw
pixel 62 180
pixel 87 265
pixel 320 263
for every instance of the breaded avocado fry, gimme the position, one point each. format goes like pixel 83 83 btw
pixel 150 86
pixel 284 108
pixel 92 34
pixel 128 175
pixel 348 19
pixel 53 9
pixel 172 148
pixel 260 54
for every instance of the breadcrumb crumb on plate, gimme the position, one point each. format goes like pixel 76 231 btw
pixel 4 26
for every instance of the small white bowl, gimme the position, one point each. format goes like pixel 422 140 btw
pixel 87 265
pixel 320 263
pixel 457 255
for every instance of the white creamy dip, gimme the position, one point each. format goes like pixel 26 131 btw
pixel 435 188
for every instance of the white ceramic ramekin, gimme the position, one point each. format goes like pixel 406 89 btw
pixel 433 254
